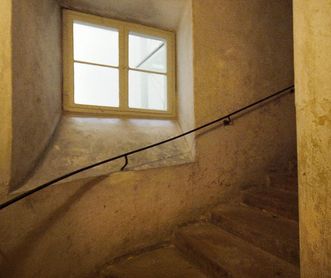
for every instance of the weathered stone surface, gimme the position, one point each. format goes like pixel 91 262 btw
pixel 101 138
pixel 275 235
pixel 275 201
pixel 246 242
pixel 86 222
pixel 312 36
pixel 283 182
pixel 165 262
pixel 5 95
pixel 37 82
pixel 223 255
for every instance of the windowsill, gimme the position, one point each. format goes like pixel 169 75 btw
pixel 104 112
pixel 83 140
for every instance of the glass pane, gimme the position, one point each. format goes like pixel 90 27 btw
pixel 95 44
pixel 147 53
pixel 95 85
pixel 147 90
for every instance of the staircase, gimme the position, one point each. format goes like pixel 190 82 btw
pixel 255 237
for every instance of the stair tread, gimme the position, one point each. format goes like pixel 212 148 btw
pixel 276 235
pixel 284 182
pixel 227 255
pixel 281 202
pixel 279 195
pixel 165 262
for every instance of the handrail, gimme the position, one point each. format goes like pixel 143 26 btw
pixel 226 121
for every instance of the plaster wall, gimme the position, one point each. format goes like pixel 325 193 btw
pixel 164 14
pixel 72 229
pixel 81 141
pixel 242 52
pixel 312 26
pixel 185 78
pixel 5 94
pixel 37 82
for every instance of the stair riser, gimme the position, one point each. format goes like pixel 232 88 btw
pixel 221 254
pixel 192 254
pixel 278 208
pixel 284 250
pixel 286 184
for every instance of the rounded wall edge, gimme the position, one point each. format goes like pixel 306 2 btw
pixel 5 95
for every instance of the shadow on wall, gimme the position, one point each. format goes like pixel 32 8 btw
pixel 18 255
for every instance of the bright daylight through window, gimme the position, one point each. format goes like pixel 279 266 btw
pixel 112 66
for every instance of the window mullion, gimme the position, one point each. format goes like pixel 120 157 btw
pixel 123 52
pixel 158 85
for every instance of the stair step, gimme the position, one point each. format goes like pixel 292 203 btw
pixel 165 262
pixel 283 182
pixel 222 254
pixel 278 202
pixel 275 235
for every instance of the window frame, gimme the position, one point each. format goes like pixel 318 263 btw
pixel 124 28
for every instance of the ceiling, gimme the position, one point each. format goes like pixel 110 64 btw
pixel 165 14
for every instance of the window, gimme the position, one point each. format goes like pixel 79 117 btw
pixel 112 66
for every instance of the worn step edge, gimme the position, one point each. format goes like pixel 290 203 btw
pixel 274 204
pixel 275 235
pixel 194 248
pixel 166 261
pixel 192 253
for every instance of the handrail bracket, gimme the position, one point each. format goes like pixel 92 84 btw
pixel 227 121
pixel 126 163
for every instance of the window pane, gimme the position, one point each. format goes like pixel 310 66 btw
pixel 95 44
pixel 147 53
pixel 147 90
pixel 96 85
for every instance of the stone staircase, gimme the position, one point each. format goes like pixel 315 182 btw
pixel 256 237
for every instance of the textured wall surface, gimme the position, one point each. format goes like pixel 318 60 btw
pixel 81 141
pixel 185 78
pixel 164 14
pixel 37 81
pixel 242 51
pixel 5 95
pixel 312 25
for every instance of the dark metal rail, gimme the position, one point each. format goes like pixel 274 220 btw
pixel 226 121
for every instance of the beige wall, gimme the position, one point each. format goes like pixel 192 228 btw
pixel 81 141
pixel 312 26
pixel 5 94
pixel 185 78
pixel 37 82
pixel 242 52
pixel 164 14
pixel 73 228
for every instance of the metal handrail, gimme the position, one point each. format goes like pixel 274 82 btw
pixel 226 121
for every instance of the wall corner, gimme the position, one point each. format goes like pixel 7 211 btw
pixel 5 94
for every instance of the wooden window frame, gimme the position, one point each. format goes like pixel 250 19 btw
pixel 124 29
